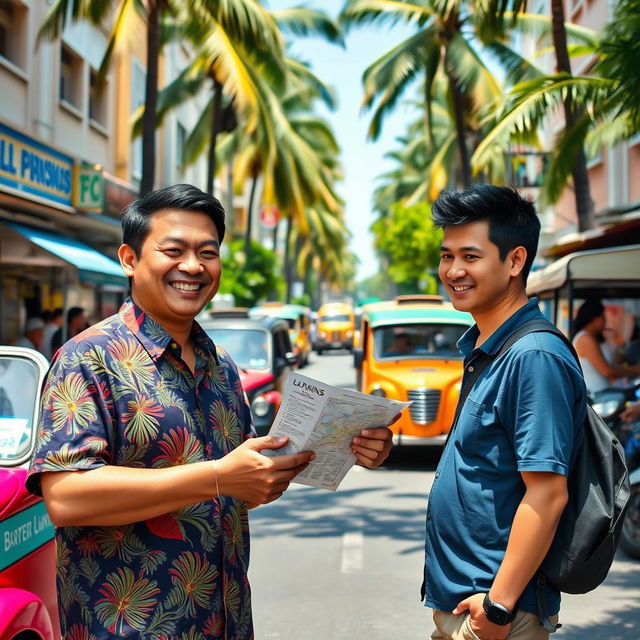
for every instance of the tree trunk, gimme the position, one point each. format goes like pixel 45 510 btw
pixel 308 277
pixel 287 261
pixel 582 192
pixel 215 129
pixel 458 113
pixel 247 237
pixel 229 212
pixel 151 99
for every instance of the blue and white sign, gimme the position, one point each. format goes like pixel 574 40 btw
pixel 34 169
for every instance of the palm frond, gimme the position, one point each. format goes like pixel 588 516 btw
pixel 390 12
pixel 390 75
pixel 529 102
pixel 302 21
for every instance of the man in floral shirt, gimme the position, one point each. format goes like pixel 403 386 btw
pixel 144 455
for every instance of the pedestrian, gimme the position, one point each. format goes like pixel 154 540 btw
pixel 501 484
pixel 145 457
pixel 52 323
pixel 33 332
pixel 76 323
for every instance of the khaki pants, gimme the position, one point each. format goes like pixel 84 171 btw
pixel 526 626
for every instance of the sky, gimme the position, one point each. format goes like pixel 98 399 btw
pixel 362 160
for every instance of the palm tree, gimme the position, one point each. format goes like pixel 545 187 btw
pixel 584 204
pixel 443 46
pixel 123 11
pixel 606 99
pixel 226 59
pixel 244 19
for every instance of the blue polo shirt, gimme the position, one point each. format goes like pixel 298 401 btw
pixel 525 413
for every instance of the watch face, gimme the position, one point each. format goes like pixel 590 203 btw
pixel 495 614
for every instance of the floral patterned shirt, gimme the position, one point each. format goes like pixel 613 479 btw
pixel 120 394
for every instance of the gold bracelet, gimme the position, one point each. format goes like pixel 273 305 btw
pixel 215 470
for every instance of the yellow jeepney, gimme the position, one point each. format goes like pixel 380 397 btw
pixel 407 351
pixel 335 324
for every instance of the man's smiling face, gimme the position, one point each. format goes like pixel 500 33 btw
pixel 178 269
pixel 471 269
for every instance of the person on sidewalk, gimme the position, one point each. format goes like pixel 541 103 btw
pixel 32 336
pixel 76 323
pixel 501 484
pixel 145 456
pixel 51 325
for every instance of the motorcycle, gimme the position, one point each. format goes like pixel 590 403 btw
pixel 610 404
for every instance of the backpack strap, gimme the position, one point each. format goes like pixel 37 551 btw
pixel 477 365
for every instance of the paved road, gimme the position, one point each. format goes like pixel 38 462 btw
pixel 347 565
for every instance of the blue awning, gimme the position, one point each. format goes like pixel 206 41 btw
pixel 93 267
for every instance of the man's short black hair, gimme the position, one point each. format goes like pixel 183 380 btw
pixel 136 216
pixel 513 221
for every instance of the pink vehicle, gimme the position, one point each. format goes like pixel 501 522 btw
pixel 28 605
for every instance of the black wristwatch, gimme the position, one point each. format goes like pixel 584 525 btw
pixel 497 613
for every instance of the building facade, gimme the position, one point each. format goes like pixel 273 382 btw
pixel 68 164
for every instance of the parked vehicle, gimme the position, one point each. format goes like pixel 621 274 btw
pixel 336 325
pixel 610 403
pixel 28 601
pixel 407 351
pixel 605 274
pixel 299 320
pixel 261 348
pixel 613 276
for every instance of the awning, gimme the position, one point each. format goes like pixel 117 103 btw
pixel 93 267
pixel 615 268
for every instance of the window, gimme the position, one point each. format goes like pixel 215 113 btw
pixel 138 81
pixel 13 22
pixel 70 65
pixel 97 98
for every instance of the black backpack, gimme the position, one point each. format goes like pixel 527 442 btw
pixel 585 542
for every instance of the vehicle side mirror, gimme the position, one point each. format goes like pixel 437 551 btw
pixel 358 357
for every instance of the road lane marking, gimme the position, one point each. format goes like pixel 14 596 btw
pixel 352 547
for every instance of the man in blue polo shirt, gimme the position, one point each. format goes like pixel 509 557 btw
pixel 501 484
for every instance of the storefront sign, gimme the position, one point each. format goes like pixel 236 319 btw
pixel 34 169
pixel 88 190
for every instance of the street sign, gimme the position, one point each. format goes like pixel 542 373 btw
pixel 269 216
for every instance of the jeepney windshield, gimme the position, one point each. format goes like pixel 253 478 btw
pixel 249 348
pixel 417 341
pixel 341 317
pixel 19 380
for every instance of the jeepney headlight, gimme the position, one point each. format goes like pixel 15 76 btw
pixel 260 406
pixel 379 391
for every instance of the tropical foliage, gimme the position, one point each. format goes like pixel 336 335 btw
pixel 407 237
pixel 252 277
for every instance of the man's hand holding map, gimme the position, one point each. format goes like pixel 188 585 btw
pixel 317 417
